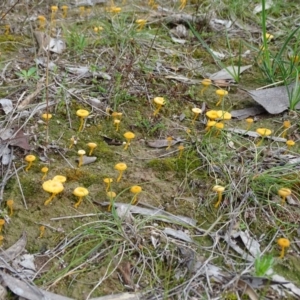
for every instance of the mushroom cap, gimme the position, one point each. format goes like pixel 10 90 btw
pixel 82 113
pixel 44 169
pixel 140 21
pixel 111 194
pixel 135 189
pixel 269 36
pixel 283 242
pixel 108 180
pixel 41 18
pixel 117 121
pixel 92 145
pixel 54 8
pixel 46 116
pixel 121 166
pixel 80 192
pixel 218 188
pixel 81 152
pixel 206 82
pixel 290 143
pixel 284 192
pixel 249 120
pixel 221 92
pixel 53 186
pixel 287 124
pixel 1 237
pixel 224 115
pixel 219 125
pixel 9 202
pixel 212 114
pixel 211 123
pixel 129 135
pixel 159 100
pixel 263 131
pixel 2 221
pixel 196 110
pixel 60 178
pixel 64 7
pixel 180 147
pixel 30 158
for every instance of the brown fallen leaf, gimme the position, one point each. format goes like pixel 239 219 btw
pixel 124 269
pixel 20 139
pixel 164 143
pixel 110 141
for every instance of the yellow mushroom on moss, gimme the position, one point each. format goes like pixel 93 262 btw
pixel 29 159
pixel 159 102
pixel 135 189
pixel 221 93
pixel 121 167
pixel 196 111
pixel 44 170
pixel 81 153
pixel 2 222
pixel 140 23
pixel 82 114
pixel 107 182
pixel 80 192
pixel 54 187
pixel 64 8
pixel 129 136
pixel 42 22
pixel 60 178
pixel 283 243
pixel 206 83
pixel 10 205
pixel 111 196
pixel 263 132
pixel 92 147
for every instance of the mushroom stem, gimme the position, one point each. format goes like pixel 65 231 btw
pixel 281 252
pixel 78 202
pixel 219 200
pixel 157 109
pixel 220 100
pixel 10 204
pixel 120 176
pixel 134 199
pixel 48 201
pixel 28 166
pixel 42 231
pixel 81 124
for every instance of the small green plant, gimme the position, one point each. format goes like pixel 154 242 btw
pixel 232 70
pixel 294 93
pixel 263 264
pixel 76 41
pixel 28 75
pixel 276 66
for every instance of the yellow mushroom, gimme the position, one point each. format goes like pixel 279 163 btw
pixel 249 122
pixel 283 193
pixel 30 159
pixel 169 142
pixel 82 114
pixel 2 222
pixel 289 143
pixel 135 189
pixel 286 126
pixel 60 178
pixel 206 83
pixel 219 189
pixel 54 187
pixel 10 205
pixel 91 146
pixel 42 22
pixel 121 167
pixel 263 132
pixel 129 136
pixel 283 243
pixel 81 153
pixel 65 11
pixel 1 239
pixel 180 148
pixel 80 192
pixel 159 102
pixel 221 93
pixel 107 182
pixel 42 231
pixel 44 170
pixel 117 124
pixel 197 111
pixel 140 23
pixel 212 115
pixel 111 196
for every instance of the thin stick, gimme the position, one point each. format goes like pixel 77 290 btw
pixel 76 216
pixel 19 183
pixel 271 84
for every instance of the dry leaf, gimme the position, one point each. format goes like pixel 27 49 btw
pixel 244 113
pixel 7 105
pixel 226 72
pixel 164 143
pixel 274 100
